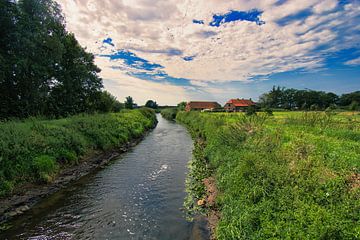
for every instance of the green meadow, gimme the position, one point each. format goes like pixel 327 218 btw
pixel 35 150
pixel 290 175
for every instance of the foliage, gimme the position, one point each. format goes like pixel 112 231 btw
pixel 169 113
pixel 129 103
pixel 108 103
pixel 269 111
pixel 34 150
pixel 251 110
pixel 44 70
pixel 347 99
pixel 289 176
pixel 292 99
pixel 45 166
pixel 151 104
pixel 181 106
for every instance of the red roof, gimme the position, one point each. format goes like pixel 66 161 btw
pixel 241 102
pixel 203 105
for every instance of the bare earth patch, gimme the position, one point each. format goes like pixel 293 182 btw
pixel 210 201
pixel 27 195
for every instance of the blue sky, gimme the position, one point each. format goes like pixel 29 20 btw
pixel 172 51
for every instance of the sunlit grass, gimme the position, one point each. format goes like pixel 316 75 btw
pixel 287 176
pixel 34 150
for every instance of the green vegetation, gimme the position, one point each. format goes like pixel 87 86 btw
pixel 169 113
pixel 35 150
pixel 151 104
pixel 44 71
pixel 293 99
pixel 129 102
pixel 292 175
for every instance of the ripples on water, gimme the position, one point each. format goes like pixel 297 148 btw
pixel 138 196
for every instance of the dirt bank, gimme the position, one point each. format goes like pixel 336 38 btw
pixel 213 215
pixel 27 195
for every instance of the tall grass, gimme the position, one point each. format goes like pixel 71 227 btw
pixel 288 177
pixel 169 113
pixel 34 150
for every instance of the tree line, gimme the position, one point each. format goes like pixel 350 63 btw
pixel 294 99
pixel 44 70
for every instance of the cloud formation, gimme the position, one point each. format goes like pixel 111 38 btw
pixel 211 41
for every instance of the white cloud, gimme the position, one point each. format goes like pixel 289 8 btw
pixel 353 62
pixel 236 51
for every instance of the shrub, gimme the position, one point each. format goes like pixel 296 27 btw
pixel 45 167
pixel 268 111
pixel 34 150
pixel 169 113
pixel 251 110
pixel 279 178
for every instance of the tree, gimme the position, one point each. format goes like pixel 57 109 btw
pixel 181 106
pixel 297 99
pixel 44 70
pixel 108 103
pixel 129 103
pixel 347 99
pixel 151 104
pixel 77 85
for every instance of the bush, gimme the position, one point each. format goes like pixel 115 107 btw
pixel 279 178
pixel 45 167
pixel 268 111
pixel 251 110
pixel 34 150
pixel 169 113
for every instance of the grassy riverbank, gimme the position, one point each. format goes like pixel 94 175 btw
pixel 169 113
pixel 292 175
pixel 35 150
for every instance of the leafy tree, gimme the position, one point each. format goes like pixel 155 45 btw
pixel 108 103
pixel 77 85
pixel 181 106
pixel 291 99
pixel 151 104
pixel 129 103
pixel 347 99
pixel 44 70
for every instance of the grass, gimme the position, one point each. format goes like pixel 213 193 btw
pixel 169 113
pixel 35 150
pixel 293 175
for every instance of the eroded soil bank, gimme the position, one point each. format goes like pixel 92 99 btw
pixel 27 195
pixel 138 195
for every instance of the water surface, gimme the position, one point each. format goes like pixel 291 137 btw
pixel 138 196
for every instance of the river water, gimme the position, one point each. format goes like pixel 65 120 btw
pixel 137 196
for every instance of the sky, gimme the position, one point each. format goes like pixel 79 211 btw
pixel 172 51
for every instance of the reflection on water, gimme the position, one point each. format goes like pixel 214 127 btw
pixel 138 196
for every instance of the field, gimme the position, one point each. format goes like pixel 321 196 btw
pixel 292 175
pixel 35 150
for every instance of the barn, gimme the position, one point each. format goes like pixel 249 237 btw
pixel 199 106
pixel 238 105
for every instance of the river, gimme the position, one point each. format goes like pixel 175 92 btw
pixel 137 196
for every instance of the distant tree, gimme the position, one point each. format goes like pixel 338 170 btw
pixel 347 99
pixel 118 106
pixel 354 106
pixel 181 106
pixel 151 104
pixel 280 97
pixel 129 103
pixel 251 110
pixel 108 103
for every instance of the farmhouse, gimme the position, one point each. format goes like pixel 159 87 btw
pixel 238 105
pixel 190 106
